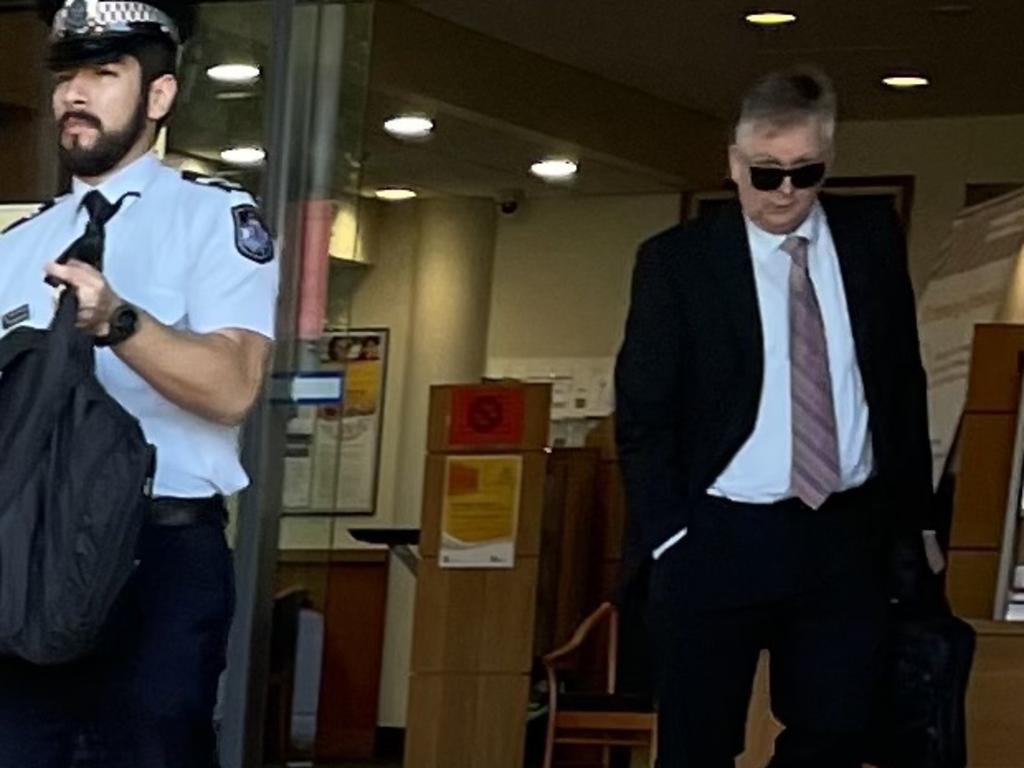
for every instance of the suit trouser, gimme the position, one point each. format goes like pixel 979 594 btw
pixel 145 698
pixel 806 585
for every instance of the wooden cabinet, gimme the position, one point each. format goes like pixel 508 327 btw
pixel 986 448
pixel 349 587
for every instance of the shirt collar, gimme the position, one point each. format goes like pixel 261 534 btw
pixel 133 178
pixel 764 244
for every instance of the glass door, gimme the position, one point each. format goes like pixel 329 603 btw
pixel 273 97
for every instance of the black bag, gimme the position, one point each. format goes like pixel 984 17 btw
pixel 920 720
pixel 74 481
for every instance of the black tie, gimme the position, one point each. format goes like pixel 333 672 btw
pixel 88 248
pixel 90 244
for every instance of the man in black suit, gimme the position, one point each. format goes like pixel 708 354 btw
pixel 773 438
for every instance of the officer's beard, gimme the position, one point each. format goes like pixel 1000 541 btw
pixel 107 151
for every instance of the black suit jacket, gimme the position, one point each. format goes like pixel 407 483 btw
pixel 689 374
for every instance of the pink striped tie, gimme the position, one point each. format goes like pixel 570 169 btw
pixel 815 470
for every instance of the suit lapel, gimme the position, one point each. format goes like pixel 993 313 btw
pixel 854 265
pixel 734 272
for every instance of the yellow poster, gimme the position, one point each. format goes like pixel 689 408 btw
pixel 480 511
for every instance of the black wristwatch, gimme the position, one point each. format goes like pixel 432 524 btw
pixel 123 323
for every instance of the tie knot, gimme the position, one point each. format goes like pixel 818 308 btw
pixel 99 208
pixel 796 247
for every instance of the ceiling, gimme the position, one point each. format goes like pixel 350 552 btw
pixel 468 154
pixel 695 53
pixel 702 54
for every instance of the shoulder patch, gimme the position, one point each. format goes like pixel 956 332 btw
pixel 211 181
pixel 252 239
pixel 24 219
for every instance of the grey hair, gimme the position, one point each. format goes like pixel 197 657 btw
pixel 784 99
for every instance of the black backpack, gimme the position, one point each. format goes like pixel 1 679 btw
pixel 74 482
pixel 920 721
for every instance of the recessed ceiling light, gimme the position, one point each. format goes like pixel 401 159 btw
pixel 394 194
pixel 771 18
pixel 555 169
pixel 409 126
pixel 235 95
pixel 952 9
pixel 237 74
pixel 243 155
pixel 906 81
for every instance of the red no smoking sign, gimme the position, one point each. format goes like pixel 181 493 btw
pixel 487 415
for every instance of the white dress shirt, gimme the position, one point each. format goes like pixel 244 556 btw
pixel 760 471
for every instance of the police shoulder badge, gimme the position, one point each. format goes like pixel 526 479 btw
pixel 251 236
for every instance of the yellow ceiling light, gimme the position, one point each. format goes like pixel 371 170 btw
pixel 771 18
pixel 904 82
pixel 235 74
pixel 394 194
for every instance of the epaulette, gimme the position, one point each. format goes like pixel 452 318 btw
pixel 42 209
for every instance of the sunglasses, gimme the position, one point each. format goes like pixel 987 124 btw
pixel 768 179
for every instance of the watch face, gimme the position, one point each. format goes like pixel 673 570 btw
pixel 124 321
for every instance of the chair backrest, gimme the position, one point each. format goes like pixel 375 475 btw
pixel 285 628
pixel 613 648
pixel 606 614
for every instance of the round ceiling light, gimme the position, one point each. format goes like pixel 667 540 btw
pixel 771 18
pixel 243 155
pixel 409 126
pixel 394 194
pixel 236 74
pixel 555 169
pixel 904 82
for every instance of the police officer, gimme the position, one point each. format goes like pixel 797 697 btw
pixel 182 311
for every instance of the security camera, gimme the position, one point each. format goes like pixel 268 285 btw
pixel 509 202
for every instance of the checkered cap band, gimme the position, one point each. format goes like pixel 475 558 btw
pixel 101 17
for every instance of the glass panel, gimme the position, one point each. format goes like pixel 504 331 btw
pixel 305 114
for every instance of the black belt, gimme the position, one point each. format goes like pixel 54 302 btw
pixel 175 511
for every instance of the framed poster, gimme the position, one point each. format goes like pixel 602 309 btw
pixel 333 458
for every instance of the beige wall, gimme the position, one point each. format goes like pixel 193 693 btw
pixel 428 281
pixel 388 238
pixel 562 266
pixel 561 273
pixel 943 156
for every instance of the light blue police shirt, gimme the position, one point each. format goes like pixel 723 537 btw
pixel 189 253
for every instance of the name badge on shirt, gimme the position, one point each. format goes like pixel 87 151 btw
pixel 16 316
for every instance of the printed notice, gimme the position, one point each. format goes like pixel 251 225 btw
pixel 480 511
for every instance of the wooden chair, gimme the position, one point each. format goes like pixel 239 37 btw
pixel 604 718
